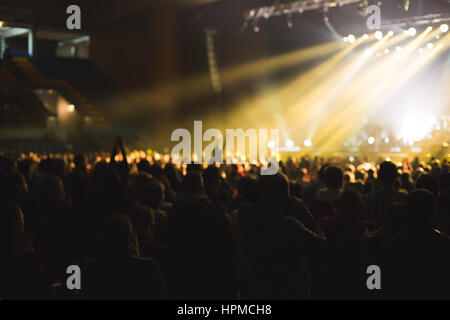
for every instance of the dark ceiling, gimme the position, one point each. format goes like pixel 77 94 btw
pixel 51 14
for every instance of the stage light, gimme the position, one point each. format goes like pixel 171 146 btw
pixel 386 51
pixel 70 108
pixel 367 52
pixel 386 140
pixel 351 159
pixel 371 140
pixel 414 128
pixel 412 31
pixel 365 36
pixel 2 23
pixel 289 21
pixel 307 143
pixel 289 143
pixel 429 28
pixel 430 45
pixel 271 144
pixel 378 35
pixel 444 27
pixel 440 46
pixel 345 39
pixel 421 50
pixel 398 48
pixel 390 33
pixel 351 38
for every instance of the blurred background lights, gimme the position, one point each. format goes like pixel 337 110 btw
pixel 378 35
pixel 412 31
pixel 307 143
pixel 444 27
pixel 289 143
pixel 351 38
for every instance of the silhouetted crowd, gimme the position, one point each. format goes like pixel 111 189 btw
pixel 151 229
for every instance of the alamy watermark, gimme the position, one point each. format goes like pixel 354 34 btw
pixel 258 144
pixel 74 20
pixel 374 17
pixel 374 280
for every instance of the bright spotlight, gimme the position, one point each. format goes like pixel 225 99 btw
pixel 2 23
pixel 289 143
pixel 367 52
pixel 371 140
pixel 378 35
pixel 307 143
pixel 70 108
pixel 444 27
pixel 398 48
pixel 412 31
pixel 365 36
pixel 440 46
pixel 430 45
pixel 421 50
pixel 390 33
pixel 351 38
pixel 429 28
pixel 271 144
pixel 386 51
pixel 414 128
pixel 345 39
pixel 351 158
pixel 386 140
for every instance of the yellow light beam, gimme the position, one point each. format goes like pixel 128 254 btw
pixel 378 97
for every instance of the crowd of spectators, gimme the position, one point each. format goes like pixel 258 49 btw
pixel 151 229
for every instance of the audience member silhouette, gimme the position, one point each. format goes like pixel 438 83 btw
pixel 380 200
pixel 117 272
